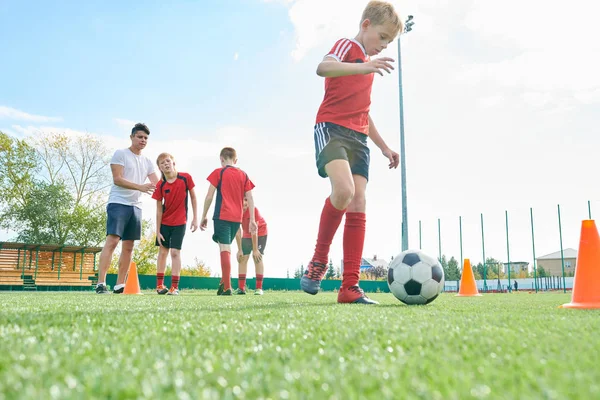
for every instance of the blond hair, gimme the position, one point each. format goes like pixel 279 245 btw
pixel 161 157
pixel 381 12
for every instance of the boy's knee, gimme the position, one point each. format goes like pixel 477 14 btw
pixel 175 253
pixel 343 195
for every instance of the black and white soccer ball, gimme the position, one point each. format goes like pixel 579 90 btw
pixel 415 278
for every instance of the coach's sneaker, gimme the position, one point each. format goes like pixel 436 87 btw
pixel 101 289
pixel 173 292
pixel 311 280
pixel 240 291
pixel 119 289
pixel 258 292
pixel 220 289
pixel 162 289
pixel 354 294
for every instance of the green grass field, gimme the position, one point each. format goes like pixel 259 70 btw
pixel 292 345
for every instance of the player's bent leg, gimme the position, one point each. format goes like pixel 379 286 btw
pixel 124 263
pixel 342 192
pixel 104 263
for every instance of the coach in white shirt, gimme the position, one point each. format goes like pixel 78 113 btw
pixel 124 223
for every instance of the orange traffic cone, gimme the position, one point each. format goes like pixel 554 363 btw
pixel 467 281
pixel 132 284
pixel 586 284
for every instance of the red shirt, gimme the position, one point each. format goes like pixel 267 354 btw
pixel 347 98
pixel 260 221
pixel 232 184
pixel 174 197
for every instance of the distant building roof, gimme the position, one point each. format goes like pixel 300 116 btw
pixel 366 263
pixel 567 253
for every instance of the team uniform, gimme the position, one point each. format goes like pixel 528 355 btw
pixel 232 184
pixel 247 236
pixel 342 123
pixel 174 196
pixel 340 133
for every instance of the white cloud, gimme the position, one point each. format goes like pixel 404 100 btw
pixel 125 124
pixel 18 115
pixel 236 56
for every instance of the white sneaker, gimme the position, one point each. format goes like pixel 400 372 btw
pixel 258 292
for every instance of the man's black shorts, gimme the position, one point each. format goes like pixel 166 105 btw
pixel 124 221
pixel 335 142
pixel 173 236
pixel 225 231
pixel 247 245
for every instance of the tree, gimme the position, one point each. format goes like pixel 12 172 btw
pixel 542 273
pixel 299 272
pixel 452 273
pixel 198 268
pixel 330 271
pixel 69 173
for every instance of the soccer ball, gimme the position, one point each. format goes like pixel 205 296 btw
pixel 415 278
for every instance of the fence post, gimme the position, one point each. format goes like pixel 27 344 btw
pixel 533 245
pixel 507 251
pixel 461 244
pixel 484 260
pixel 562 256
pixel 589 210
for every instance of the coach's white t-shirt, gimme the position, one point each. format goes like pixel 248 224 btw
pixel 136 169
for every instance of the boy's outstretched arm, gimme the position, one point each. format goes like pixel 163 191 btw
pixel 194 210
pixel 207 202
pixel 379 142
pixel 332 68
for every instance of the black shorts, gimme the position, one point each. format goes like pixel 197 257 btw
pixel 335 142
pixel 173 236
pixel 124 221
pixel 225 231
pixel 247 245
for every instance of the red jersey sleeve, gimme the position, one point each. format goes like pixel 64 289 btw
pixel 340 50
pixel 249 185
pixel 190 181
pixel 213 178
pixel 157 195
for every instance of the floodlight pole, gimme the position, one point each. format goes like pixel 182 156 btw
pixel 407 28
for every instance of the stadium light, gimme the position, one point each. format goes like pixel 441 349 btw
pixel 407 28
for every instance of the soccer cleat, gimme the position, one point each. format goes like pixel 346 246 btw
pixel 221 289
pixel 258 292
pixel 354 294
pixel 162 289
pixel 101 289
pixel 119 290
pixel 173 292
pixel 311 280
pixel 240 291
pixel 227 292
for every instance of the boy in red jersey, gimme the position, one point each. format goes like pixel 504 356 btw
pixel 232 186
pixel 343 125
pixel 171 197
pixel 254 243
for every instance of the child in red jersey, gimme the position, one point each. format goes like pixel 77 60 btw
pixel 343 125
pixel 171 197
pixel 232 186
pixel 254 243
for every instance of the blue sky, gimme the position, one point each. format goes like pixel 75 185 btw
pixel 501 107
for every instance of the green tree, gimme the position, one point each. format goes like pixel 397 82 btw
pixel 299 272
pixel 452 273
pixel 68 173
pixel 330 271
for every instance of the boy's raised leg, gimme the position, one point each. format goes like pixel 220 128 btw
pixel 342 191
